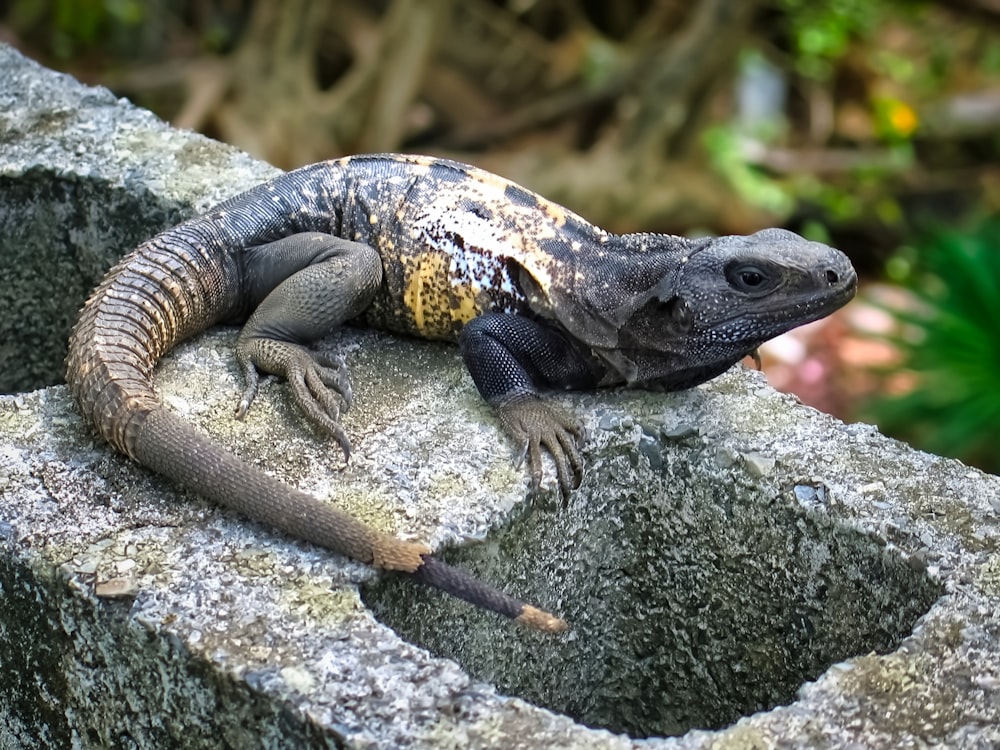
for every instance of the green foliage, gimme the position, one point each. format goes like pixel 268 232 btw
pixel 822 30
pixel 951 346
pixel 75 25
pixel 859 193
pixel 724 145
pixel 601 60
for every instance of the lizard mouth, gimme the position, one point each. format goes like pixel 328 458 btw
pixel 837 296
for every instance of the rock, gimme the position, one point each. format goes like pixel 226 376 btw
pixel 817 586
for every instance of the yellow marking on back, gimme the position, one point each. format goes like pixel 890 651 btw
pixel 517 230
pixel 434 300
pixel 554 211
pixel 480 177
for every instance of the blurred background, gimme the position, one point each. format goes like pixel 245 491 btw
pixel 873 125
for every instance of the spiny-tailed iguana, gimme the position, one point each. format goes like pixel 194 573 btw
pixel 536 297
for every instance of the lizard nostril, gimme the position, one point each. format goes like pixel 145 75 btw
pixel 832 277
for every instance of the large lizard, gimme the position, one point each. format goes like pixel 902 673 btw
pixel 536 297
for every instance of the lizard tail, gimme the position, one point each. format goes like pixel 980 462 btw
pixel 460 584
pixel 173 447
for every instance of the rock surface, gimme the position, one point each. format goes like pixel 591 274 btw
pixel 730 553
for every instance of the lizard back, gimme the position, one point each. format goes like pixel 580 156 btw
pixel 452 238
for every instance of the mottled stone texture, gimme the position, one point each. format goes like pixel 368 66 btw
pixel 730 554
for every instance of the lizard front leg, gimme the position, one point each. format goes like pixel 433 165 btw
pixel 308 284
pixel 510 358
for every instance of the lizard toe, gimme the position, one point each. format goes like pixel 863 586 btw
pixel 332 370
pixel 319 406
pixel 252 380
pixel 569 463
pixel 562 446
pixel 535 472
pixel 321 393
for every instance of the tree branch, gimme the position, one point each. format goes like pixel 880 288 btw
pixel 676 70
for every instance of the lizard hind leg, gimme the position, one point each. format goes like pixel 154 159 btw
pixel 308 285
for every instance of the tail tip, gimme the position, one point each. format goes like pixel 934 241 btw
pixel 539 619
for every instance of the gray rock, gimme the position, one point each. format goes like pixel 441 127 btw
pixel 730 554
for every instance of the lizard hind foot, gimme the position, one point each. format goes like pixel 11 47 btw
pixel 319 382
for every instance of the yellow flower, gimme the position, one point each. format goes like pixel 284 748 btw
pixel 901 118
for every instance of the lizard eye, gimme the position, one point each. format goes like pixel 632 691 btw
pixel 749 279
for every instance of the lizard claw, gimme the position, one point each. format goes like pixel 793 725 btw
pixel 252 379
pixel 536 425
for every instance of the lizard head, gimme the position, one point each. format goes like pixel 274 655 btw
pixel 678 312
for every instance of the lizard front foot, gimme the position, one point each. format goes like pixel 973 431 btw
pixel 319 381
pixel 534 425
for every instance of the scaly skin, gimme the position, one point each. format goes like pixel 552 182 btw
pixel 535 296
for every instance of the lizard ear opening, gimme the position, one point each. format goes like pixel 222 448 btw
pixel 658 322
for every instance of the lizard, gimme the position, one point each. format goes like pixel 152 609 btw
pixel 537 299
